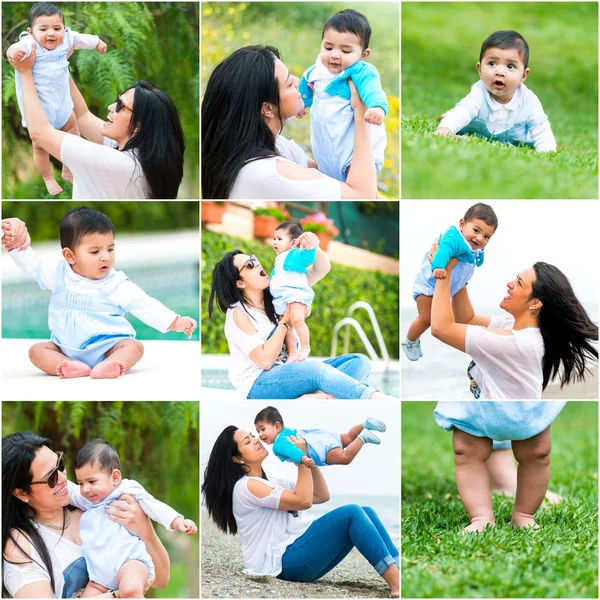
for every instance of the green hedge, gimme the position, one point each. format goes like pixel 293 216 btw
pixel 333 295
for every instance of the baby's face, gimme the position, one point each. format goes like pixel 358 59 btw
pixel 477 232
pixel 268 432
pixel 96 484
pixel 282 242
pixel 502 72
pixel 95 256
pixel 48 31
pixel 341 50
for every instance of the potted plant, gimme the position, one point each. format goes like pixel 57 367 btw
pixel 267 219
pixel 323 227
pixel 213 211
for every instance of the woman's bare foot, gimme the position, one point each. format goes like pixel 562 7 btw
pixel 68 369
pixel 477 526
pixel 66 174
pixel 108 369
pixel 52 187
pixel 303 354
pixel 316 396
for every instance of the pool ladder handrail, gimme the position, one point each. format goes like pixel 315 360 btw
pixel 348 322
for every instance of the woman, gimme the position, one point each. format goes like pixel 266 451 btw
pixel 143 125
pixel 276 540
pixel 248 99
pixel 42 556
pixel 516 357
pixel 240 287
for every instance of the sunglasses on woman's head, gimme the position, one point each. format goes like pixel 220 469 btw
pixel 52 478
pixel 250 263
pixel 120 105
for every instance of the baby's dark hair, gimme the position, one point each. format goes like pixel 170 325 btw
pixel 292 228
pixel 82 221
pixel 483 212
pixel 351 21
pixel 506 40
pixel 269 415
pixel 98 452
pixel 44 9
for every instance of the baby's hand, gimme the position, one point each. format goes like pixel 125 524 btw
pixel 374 116
pixel 442 131
pixel 308 462
pixel 302 113
pixel 440 273
pixel 101 47
pixel 187 526
pixel 185 325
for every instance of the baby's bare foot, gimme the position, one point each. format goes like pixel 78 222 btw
pixel 316 396
pixel 303 354
pixel 477 526
pixel 521 521
pixel 68 369
pixel 52 187
pixel 66 174
pixel 292 358
pixel 553 498
pixel 108 369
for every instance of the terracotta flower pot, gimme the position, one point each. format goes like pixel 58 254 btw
pixel 264 227
pixel 213 212
pixel 324 240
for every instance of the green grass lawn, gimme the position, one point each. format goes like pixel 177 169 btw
pixel 563 40
pixel 560 560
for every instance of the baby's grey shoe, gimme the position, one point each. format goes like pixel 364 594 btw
pixel 412 349
pixel 374 424
pixel 366 437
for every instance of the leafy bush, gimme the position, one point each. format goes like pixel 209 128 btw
pixel 333 295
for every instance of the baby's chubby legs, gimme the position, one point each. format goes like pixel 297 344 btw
pixel 297 316
pixel 41 160
pixel 119 359
pixel 93 589
pixel 533 475
pixel 132 579
pixel 69 127
pixel 48 357
pixel 423 321
pixel 472 478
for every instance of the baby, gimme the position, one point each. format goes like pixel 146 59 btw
pixel 115 558
pixel 289 286
pixel 324 88
pixel 324 447
pixel 53 42
pixel 500 107
pixel 474 426
pixel 467 243
pixel 90 334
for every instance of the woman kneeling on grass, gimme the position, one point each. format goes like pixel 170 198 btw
pixel 276 540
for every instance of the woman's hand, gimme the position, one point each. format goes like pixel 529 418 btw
pixel 298 442
pixel 451 264
pixel 285 317
pixel 358 106
pixel 127 512
pixel 308 240
pixel 434 248
pixel 15 235
pixel 24 65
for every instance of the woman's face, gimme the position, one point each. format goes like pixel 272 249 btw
pixel 290 99
pixel 252 275
pixel 42 497
pixel 117 126
pixel 518 294
pixel 250 448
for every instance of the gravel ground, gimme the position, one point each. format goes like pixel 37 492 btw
pixel 222 577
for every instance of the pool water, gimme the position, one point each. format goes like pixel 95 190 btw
pixel 25 306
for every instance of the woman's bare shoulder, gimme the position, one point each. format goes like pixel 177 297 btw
pixel 242 320
pixel 291 170
pixel 259 489
pixel 18 548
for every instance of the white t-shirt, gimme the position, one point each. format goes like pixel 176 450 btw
pixel 102 172
pixel 265 530
pixel 68 566
pixel 243 371
pixel 507 367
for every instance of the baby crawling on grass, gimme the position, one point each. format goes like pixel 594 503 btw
pixel 90 334
pixel 474 426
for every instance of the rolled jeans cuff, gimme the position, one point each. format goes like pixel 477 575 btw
pixel 384 564
pixel 367 393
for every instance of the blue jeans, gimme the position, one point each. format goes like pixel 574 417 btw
pixel 343 377
pixel 330 538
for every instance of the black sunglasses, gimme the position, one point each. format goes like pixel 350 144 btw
pixel 52 478
pixel 120 105
pixel 251 263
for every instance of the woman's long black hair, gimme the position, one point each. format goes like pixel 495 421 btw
pixel 566 327
pixel 226 292
pixel 233 128
pixel 18 452
pixel 155 132
pixel 220 476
